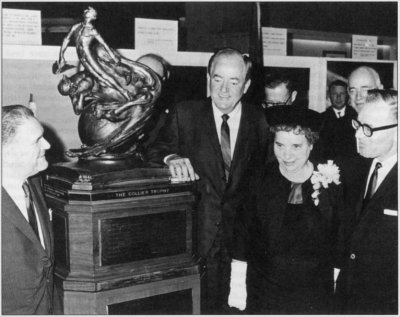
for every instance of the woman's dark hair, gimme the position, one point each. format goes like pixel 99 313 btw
pixel 311 136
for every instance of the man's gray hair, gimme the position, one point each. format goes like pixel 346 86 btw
pixel 11 118
pixel 373 72
pixel 228 51
pixel 388 96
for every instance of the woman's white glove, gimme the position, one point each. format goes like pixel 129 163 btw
pixel 238 293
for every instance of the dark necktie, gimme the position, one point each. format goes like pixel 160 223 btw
pixel 30 208
pixel 372 184
pixel 226 145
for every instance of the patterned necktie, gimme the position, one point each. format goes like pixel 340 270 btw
pixel 372 184
pixel 226 145
pixel 30 208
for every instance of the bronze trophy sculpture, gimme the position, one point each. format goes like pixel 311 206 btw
pixel 122 228
pixel 113 95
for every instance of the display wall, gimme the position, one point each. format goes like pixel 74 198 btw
pixel 28 70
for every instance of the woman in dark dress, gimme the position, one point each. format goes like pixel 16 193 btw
pixel 285 238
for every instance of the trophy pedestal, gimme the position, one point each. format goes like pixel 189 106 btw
pixel 123 239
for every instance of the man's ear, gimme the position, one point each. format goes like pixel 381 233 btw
pixel 294 95
pixel 246 86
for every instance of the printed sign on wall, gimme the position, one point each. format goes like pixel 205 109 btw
pixel 274 41
pixel 364 47
pixel 22 27
pixel 156 34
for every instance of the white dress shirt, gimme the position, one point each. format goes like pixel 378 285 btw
pixel 382 172
pixel 340 113
pixel 233 123
pixel 14 189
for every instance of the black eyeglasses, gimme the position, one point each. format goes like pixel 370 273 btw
pixel 367 130
pixel 267 104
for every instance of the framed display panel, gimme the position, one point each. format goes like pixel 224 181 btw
pixel 307 73
pixel 341 68
pixel 300 78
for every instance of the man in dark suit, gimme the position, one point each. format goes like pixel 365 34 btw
pixel 337 134
pixel 215 140
pixel 26 233
pixel 368 280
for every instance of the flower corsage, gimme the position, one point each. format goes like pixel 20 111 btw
pixel 326 174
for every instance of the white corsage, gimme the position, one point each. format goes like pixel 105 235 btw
pixel 326 174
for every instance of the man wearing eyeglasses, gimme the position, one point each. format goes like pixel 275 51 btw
pixel 368 281
pixel 279 90
pixel 361 80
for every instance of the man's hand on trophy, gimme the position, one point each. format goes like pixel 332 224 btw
pixel 181 169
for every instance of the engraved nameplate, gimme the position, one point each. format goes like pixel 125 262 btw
pixel 136 238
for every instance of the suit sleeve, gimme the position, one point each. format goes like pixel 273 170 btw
pixel 167 141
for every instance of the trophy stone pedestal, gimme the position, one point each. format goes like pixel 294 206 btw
pixel 123 239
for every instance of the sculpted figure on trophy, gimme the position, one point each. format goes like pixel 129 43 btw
pixel 113 95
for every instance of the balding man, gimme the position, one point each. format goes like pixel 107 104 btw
pixel 368 281
pixel 361 80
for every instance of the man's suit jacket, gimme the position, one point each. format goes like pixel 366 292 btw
pixel 368 281
pixel 337 136
pixel 190 131
pixel 27 268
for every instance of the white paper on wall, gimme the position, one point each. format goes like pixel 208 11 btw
pixel 274 41
pixel 21 27
pixel 156 34
pixel 364 47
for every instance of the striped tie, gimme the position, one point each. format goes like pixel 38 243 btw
pixel 226 145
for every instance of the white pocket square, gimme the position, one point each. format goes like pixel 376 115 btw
pixel 390 212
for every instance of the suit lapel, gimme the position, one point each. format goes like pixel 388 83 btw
pixel 332 114
pixel 42 212
pixel 242 143
pixel 207 126
pixel 15 216
pixel 364 166
pixel 385 186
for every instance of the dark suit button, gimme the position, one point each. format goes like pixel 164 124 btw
pixel 217 224
pixel 352 256
pixel 46 262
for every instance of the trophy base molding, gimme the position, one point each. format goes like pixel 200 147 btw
pixel 123 239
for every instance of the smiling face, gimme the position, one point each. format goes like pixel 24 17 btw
pixel 227 81
pixel 360 81
pixel 382 144
pixel 25 154
pixel 291 150
pixel 338 96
